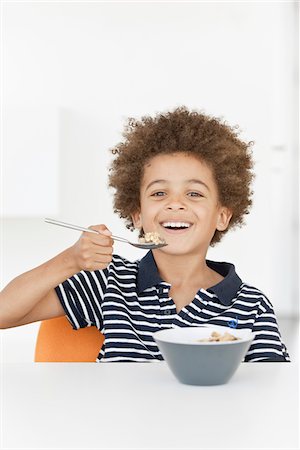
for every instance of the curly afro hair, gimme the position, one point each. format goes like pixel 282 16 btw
pixel 194 133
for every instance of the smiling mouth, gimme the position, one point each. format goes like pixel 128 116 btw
pixel 176 230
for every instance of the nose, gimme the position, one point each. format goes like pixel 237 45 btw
pixel 175 207
pixel 175 204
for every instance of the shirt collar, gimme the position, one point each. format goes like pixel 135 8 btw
pixel 226 290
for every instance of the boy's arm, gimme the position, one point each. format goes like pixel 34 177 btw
pixel 31 297
pixel 267 345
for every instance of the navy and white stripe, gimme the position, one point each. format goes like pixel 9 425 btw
pixel 128 302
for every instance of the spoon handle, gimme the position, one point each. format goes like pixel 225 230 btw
pixel 78 228
pixel 69 225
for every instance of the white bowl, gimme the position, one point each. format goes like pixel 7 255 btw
pixel 202 363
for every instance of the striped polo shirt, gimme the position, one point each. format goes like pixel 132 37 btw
pixel 128 302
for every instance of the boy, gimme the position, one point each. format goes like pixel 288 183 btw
pixel 187 177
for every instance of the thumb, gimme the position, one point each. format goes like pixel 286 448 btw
pixel 102 229
pixel 106 232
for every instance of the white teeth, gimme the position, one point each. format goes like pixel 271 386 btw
pixel 176 224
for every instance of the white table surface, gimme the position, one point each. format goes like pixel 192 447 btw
pixel 143 406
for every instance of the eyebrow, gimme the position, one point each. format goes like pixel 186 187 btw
pixel 193 180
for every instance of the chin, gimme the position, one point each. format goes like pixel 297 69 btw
pixel 174 250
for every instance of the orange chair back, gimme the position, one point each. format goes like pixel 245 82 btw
pixel 57 341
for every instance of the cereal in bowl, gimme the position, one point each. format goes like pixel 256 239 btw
pixel 217 337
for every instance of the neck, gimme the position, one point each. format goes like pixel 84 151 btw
pixel 183 270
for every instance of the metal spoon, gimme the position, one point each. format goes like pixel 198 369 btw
pixel 147 246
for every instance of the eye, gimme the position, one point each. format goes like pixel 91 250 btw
pixel 155 194
pixel 197 194
pixel 193 194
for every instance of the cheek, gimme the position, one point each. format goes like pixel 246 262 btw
pixel 150 214
pixel 206 215
pixel 149 210
pixel 203 212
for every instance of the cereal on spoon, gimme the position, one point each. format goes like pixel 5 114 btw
pixel 152 237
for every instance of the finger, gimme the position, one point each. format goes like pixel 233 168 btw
pixel 101 241
pixel 102 259
pixel 103 251
pixel 102 229
pixel 93 261
pixel 97 238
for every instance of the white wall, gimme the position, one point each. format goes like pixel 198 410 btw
pixel 89 66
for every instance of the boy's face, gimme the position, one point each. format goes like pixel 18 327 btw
pixel 180 188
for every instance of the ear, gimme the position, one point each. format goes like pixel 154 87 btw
pixel 223 219
pixel 136 219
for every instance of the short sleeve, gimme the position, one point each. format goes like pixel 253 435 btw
pixel 81 297
pixel 267 345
